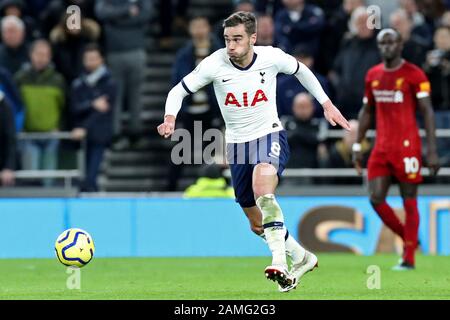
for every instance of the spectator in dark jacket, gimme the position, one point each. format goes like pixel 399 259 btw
pixel 92 98
pixel 288 86
pixel 68 46
pixel 303 132
pixel 414 46
pixel 357 55
pixel 12 97
pixel 299 24
pixel 333 34
pixel 7 143
pixel 13 50
pixel 17 8
pixel 270 7
pixel 124 25
pixel 201 106
pixel 437 67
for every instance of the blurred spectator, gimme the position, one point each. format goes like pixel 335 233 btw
pixel 329 7
pixel 437 67
pixel 7 143
pixel 202 105
pixel 12 97
pixel 265 31
pixel 124 24
pixel 414 46
pixel 51 15
pixel 299 24
pixel 171 16
pixel 335 29
pixel 420 27
pixel 92 98
pixel 269 7
pixel 266 34
pixel 340 153
pixel 445 21
pixel 432 11
pixel 68 46
pixel 288 86
pixel 43 92
pixel 356 56
pixel 305 133
pixel 36 7
pixel 13 50
pixel 17 8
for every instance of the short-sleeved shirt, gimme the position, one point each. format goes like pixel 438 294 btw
pixel 394 95
pixel 246 96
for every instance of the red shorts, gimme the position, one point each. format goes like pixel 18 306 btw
pixel 405 165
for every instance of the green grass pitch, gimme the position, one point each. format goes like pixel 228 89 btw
pixel 339 276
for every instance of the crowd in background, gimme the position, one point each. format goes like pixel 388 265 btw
pixel 57 78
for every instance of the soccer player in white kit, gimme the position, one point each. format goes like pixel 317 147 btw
pixel 244 80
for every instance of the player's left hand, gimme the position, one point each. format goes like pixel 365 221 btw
pixel 334 116
pixel 433 163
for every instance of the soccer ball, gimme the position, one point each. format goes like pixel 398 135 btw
pixel 74 247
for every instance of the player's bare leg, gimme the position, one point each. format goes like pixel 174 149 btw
pixel 378 189
pixel 302 260
pixel 408 192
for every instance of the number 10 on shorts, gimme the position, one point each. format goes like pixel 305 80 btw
pixel 411 165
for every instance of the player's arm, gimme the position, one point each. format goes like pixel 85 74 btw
pixel 190 84
pixel 365 118
pixel 425 107
pixel 173 105
pixel 312 84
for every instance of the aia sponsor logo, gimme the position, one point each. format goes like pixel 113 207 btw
pixel 231 99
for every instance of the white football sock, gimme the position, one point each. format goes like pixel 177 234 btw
pixel 295 250
pixel 274 230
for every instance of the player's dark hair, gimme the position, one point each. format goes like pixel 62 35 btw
pixel 248 19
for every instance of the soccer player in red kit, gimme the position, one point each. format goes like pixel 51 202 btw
pixel 394 90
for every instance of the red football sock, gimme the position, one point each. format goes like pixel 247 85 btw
pixel 411 229
pixel 389 218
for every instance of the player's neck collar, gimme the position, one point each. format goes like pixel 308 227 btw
pixel 394 69
pixel 247 67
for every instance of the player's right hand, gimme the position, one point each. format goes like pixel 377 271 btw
pixel 334 116
pixel 167 128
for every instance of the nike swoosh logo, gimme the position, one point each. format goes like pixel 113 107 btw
pixel 223 80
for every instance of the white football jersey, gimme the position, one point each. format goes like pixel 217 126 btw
pixel 246 96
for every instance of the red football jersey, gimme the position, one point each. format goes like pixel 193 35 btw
pixel 394 94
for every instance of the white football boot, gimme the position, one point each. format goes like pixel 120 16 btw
pixel 279 274
pixel 298 270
